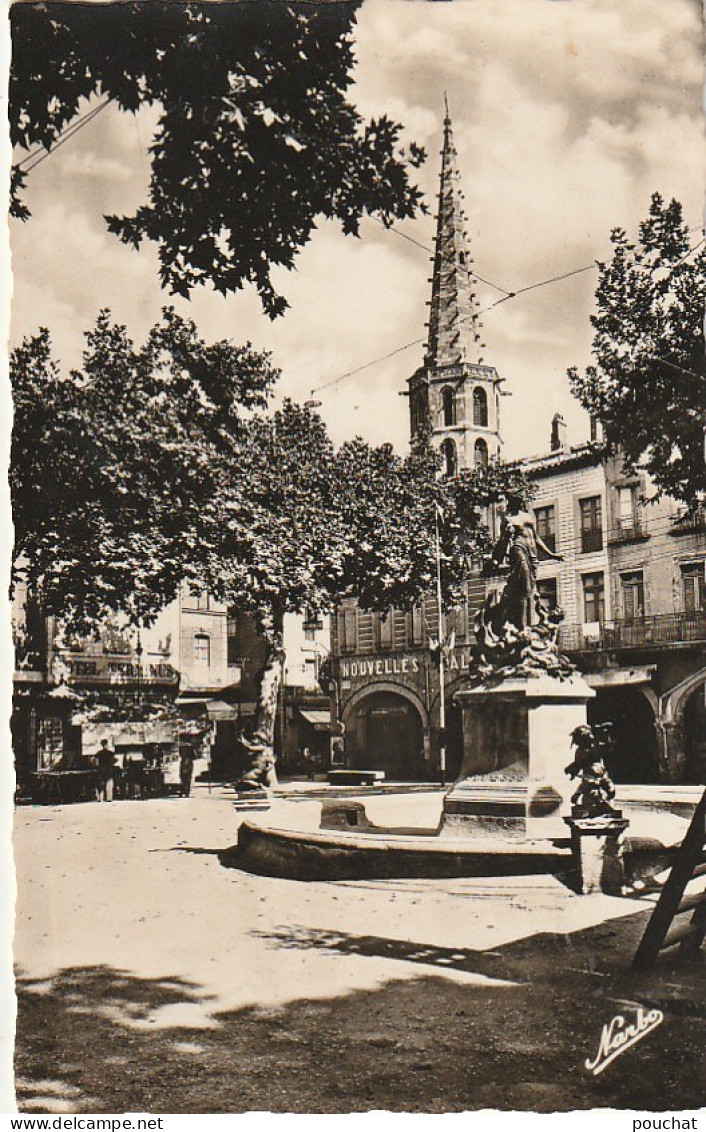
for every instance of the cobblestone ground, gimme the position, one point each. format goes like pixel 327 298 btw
pixel 151 978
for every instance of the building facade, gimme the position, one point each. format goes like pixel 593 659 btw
pixel 387 683
pixel 180 662
pixel 304 712
pixel 630 583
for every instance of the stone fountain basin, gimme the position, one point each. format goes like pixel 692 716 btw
pixel 397 836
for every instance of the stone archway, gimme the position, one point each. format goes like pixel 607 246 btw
pixel 679 725
pixel 693 731
pixel 674 701
pixel 386 728
pixel 635 758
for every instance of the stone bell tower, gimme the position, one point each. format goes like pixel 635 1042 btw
pixel 455 394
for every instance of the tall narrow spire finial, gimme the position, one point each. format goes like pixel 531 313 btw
pixel 454 327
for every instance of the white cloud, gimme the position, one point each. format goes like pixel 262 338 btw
pixel 566 117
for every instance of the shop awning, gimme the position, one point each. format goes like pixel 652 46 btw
pixel 619 677
pixel 320 720
pixel 222 712
pixel 127 734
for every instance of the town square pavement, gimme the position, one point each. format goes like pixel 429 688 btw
pixel 151 977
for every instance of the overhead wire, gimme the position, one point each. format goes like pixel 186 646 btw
pixel 62 138
pixel 367 365
pixel 41 153
pixel 541 283
pixel 513 295
pixel 426 248
pixel 41 148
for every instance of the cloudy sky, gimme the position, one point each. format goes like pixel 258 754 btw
pixel 567 114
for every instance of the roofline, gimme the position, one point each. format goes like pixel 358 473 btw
pixel 540 467
pixel 449 371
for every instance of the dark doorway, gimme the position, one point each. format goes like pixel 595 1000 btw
pixel 634 758
pixel 390 737
pixel 694 729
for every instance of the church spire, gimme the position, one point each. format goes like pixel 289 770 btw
pixel 454 326
pixel 454 397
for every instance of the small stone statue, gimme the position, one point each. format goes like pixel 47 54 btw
pixel 261 773
pixel 595 791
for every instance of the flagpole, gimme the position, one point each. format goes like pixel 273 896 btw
pixel 442 644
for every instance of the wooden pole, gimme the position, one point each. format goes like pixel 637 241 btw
pixel 442 642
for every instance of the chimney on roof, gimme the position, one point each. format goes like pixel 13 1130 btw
pixel 558 433
pixel 596 429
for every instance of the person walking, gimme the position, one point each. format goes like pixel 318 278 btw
pixel 105 761
pixel 308 760
pixel 186 768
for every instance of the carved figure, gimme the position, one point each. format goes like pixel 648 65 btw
pixel 504 651
pixel 260 775
pixel 595 791
pixel 518 546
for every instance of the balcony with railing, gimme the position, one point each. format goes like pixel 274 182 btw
pixel 688 523
pixel 628 530
pixel 644 632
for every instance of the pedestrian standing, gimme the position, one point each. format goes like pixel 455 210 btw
pixel 308 760
pixel 105 761
pixel 186 768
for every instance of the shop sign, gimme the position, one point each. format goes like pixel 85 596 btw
pixel 399 665
pixel 111 669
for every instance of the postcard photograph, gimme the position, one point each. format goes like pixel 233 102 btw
pixel 356 743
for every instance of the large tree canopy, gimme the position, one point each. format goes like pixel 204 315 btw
pixel 156 466
pixel 114 466
pixel 255 136
pixel 648 383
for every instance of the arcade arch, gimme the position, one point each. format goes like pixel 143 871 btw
pixel 635 758
pixel 386 728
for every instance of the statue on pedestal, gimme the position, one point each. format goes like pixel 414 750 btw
pixel 595 792
pixel 517 634
pixel 518 545
pixel 261 774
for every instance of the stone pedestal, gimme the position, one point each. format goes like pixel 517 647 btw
pixel 257 799
pixel 598 850
pixel 517 741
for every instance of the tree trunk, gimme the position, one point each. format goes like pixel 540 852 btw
pixel 262 769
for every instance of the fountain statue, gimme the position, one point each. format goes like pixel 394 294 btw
pixel 524 702
pixel 595 792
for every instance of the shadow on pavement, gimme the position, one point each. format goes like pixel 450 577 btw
pixel 417 1043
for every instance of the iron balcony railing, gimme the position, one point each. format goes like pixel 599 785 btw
pixel 667 629
pixel 693 523
pixel 628 531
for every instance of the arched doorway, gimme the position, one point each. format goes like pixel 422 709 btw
pixel 384 731
pixel 694 732
pixel 635 755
